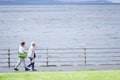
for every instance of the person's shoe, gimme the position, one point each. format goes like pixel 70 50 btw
pixel 34 70
pixel 16 69
pixel 26 69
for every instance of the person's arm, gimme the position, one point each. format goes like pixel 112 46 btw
pixel 24 50
pixel 21 49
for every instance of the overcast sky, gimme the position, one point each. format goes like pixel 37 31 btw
pixel 88 0
pixel 114 1
pixel 117 1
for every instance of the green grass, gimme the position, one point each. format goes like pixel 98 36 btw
pixel 62 75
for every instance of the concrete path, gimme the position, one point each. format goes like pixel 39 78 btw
pixel 66 68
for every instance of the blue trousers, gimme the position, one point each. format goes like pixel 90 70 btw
pixel 31 64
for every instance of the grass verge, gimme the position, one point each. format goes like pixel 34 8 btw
pixel 62 75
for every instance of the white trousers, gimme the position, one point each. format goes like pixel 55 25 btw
pixel 21 60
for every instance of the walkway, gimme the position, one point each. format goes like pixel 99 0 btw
pixel 67 68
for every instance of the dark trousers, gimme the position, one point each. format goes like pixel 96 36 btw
pixel 31 64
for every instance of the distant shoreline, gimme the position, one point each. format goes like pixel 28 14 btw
pixel 67 4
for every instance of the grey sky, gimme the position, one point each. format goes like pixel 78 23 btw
pixel 54 1
pixel 87 0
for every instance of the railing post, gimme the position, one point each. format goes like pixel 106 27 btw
pixel 9 58
pixel 47 58
pixel 85 61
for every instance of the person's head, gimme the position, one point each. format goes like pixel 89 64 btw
pixel 22 44
pixel 33 44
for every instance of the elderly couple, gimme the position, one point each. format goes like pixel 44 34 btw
pixel 22 54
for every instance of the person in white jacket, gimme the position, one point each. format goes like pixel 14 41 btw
pixel 22 55
pixel 32 55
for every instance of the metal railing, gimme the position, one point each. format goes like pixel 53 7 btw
pixel 66 56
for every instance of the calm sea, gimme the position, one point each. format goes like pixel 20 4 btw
pixel 60 26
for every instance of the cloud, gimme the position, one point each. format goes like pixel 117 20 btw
pixel 115 1
pixel 75 0
pixel 64 1
pixel 7 0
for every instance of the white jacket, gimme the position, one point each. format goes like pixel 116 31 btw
pixel 31 51
pixel 21 49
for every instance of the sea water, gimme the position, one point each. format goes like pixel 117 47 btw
pixel 60 26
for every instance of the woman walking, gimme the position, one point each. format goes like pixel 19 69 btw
pixel 22 55
pixel 32 55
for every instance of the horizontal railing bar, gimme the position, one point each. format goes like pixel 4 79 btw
pixel 103 52
pixel 101 56
pixel 60 61
pixel 52 56
pixel 76 48
pixel 57 53
pixel 4 58
pixel 64 61
pixel 4 49
pixel 82 60
pixel 64 52
pixel 75 56
pixel 87 57
pixel 3 62
pixel 103 64
pixel 36 61
pixel 3 54
pixel 77 61
pixel 59 48
pixel 70 53
pixel 62 57
pixel 102 61
pixel 67 48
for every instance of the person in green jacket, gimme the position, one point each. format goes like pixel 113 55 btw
pixel 22 54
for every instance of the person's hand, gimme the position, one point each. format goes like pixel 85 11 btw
pixel 33 60
pixel 25 52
